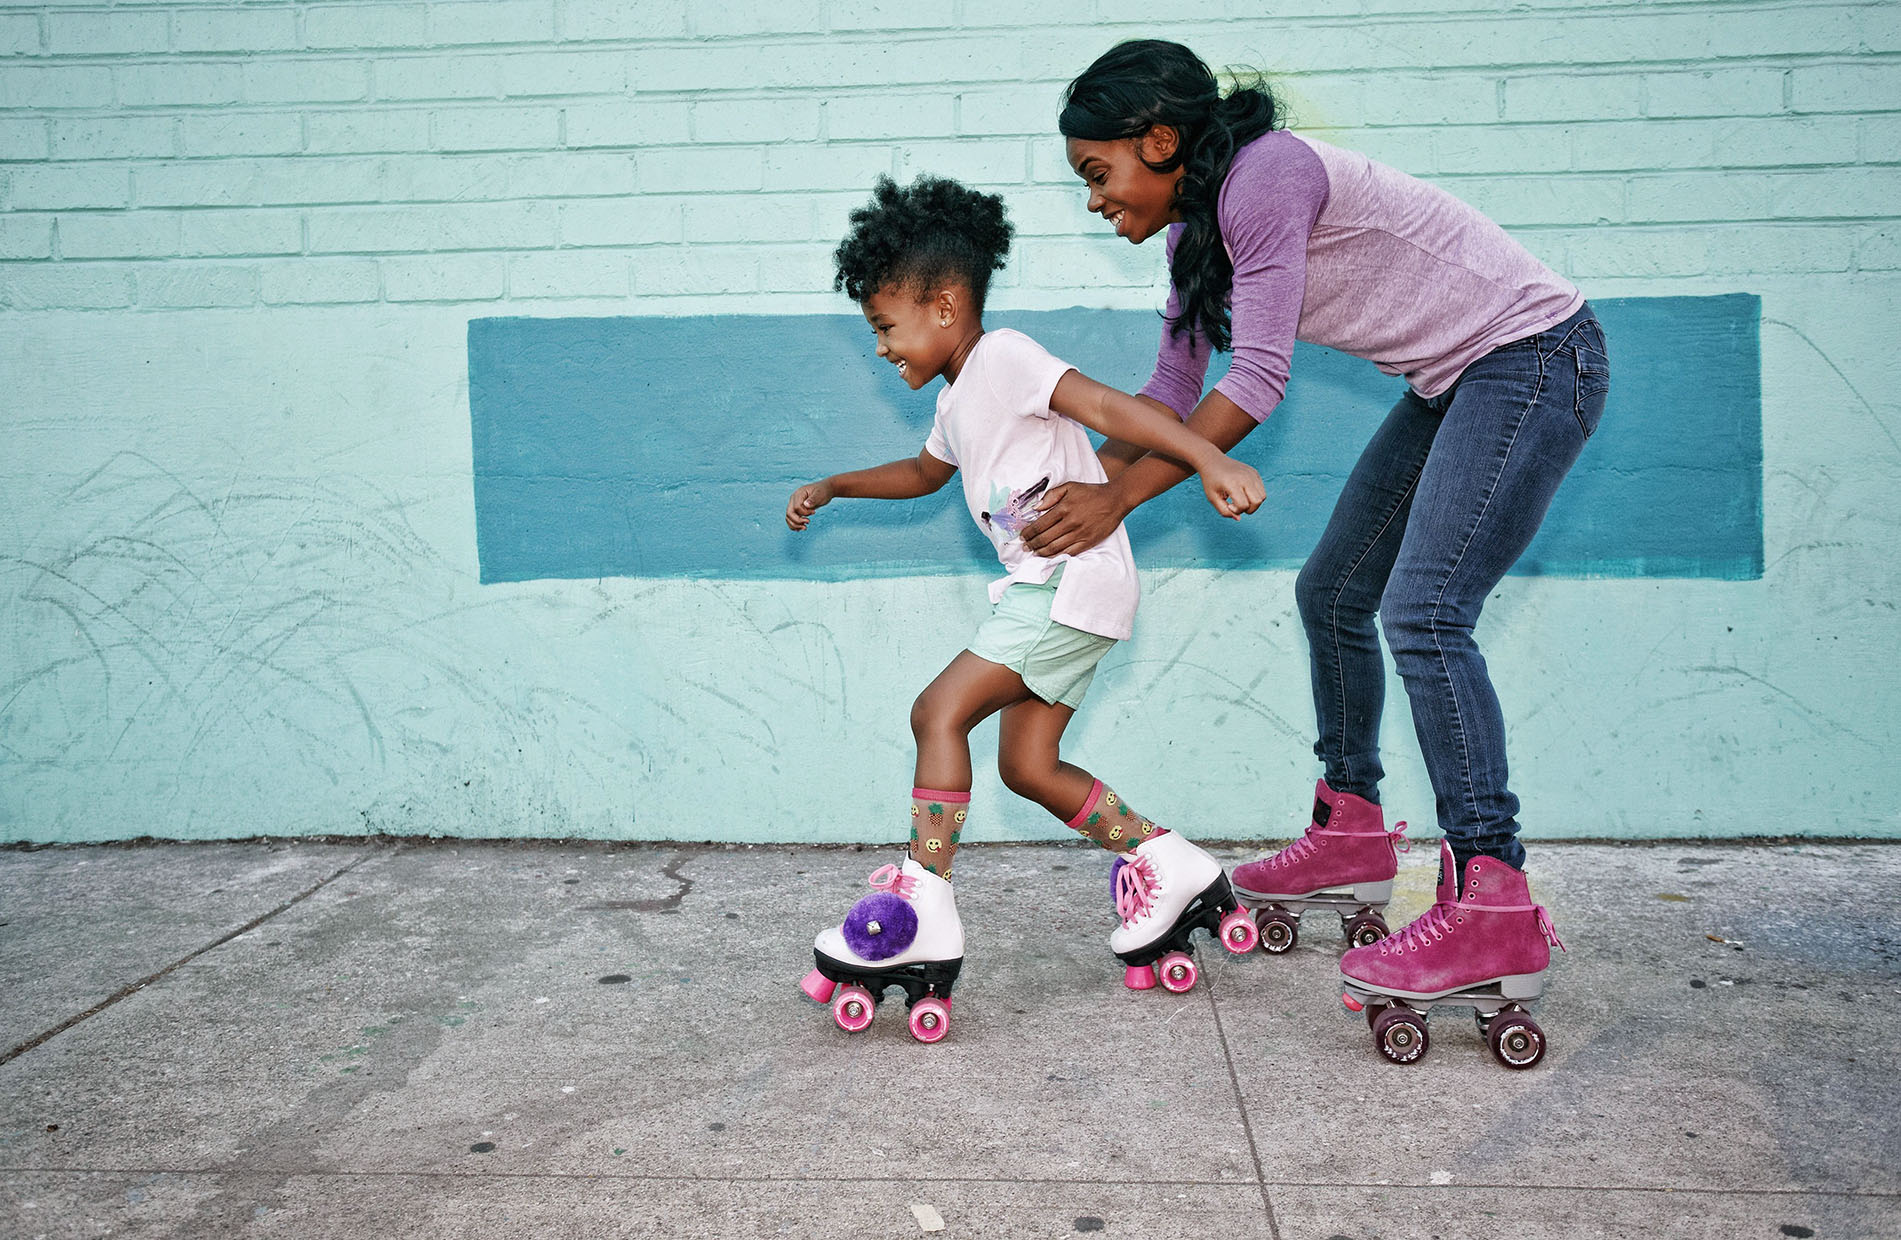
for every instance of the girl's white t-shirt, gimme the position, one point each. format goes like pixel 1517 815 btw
pixel 996 426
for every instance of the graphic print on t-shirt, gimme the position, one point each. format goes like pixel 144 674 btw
pixel 1016 512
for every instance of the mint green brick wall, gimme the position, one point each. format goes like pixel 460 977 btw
pixel 240 244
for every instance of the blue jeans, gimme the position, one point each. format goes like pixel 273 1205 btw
pixel 1442 502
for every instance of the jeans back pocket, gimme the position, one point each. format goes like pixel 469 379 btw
pixel 1594 376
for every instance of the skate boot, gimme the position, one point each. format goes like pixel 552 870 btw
pixel 1164 891
pixel 1345 862
pixel 1485 947
pixel 905 934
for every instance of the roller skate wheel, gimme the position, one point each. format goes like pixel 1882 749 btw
pixel 1238 934
pixel 852 1008
pixel 1516 1040
pixel 1279 931
pixel 1178 972
pixel 1139 977
pixel 1400 1034
pixel 818 987
pixel 1365 930
pixel 930 1020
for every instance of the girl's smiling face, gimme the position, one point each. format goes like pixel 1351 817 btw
pixel 915 336
pixel 1123 188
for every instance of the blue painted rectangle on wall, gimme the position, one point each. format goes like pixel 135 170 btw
pixel 657 447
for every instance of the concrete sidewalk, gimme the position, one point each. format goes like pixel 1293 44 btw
pixel 438 1039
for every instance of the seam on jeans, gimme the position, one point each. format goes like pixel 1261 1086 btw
pixel 1333 606
pixel 1465 749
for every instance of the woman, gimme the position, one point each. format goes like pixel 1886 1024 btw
pixel 1271 237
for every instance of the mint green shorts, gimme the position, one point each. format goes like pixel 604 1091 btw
pixel 1056 662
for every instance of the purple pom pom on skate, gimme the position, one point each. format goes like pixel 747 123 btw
pixel 1115 872
pixel 880 926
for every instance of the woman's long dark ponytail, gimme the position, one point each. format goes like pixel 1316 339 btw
pixel 1147 82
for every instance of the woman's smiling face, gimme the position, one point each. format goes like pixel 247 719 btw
pixel 1123 188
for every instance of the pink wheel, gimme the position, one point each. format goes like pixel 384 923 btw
pixel 1238 932
pixel 1178 972
pixel 852 1008
pixel 1139 977
pixel 818 987
pixel 930 1020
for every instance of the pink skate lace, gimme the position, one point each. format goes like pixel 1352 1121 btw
pixel 1305 844
pixel 890 878
pixel 1430 928
pixel 1135 889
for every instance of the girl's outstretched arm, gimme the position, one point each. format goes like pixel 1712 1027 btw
pixel 896 480
pixel 1232 487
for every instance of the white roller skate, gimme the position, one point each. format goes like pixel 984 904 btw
pixel 1164 891
pixel 905 934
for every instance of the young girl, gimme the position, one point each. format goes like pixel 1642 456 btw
pixel 1010 417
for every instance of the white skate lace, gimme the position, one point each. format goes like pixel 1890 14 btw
pixel 894 880
pixel 1136 882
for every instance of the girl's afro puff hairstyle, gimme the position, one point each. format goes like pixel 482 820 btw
pixel 920 237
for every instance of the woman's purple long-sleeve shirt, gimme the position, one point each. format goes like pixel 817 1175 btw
pixel 1337 250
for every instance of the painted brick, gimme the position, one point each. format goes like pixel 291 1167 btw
pixel 755 217
pixel 445 277
pixel 26 236
pixel 65 286
pixel 19 34
pixel 1873 192
pixel 367 132
pixel 839 64
pixel 754 17
pixel 497 129
pixel 629 123
pixel 571 175
pixel 427 229
pixel 1879 249
pixel 1613 253
pixel 503 21
pixel 669 271
pixel 249 183
pixel 1087 266
pixel 1845 88
pixel 25 139
pixel 1352 100
pixel 175 83
pixel 107 34
pixel 63 187
pixel 446 178
pixel 240 133
pixel 119 234
pixel 234 30
pixel 885 115
pixel 306 81
pixel 1027 110
pixel 367 26
pixel 889 15
pixel 1051 212
pixel 999 161
pixel 319 282
pixel 584 20
pixel 1530 200
pixel 684 169
pixel 1493 149
pixel 819 167
pixel 1640 146
pixel 757 120
pixel 115 137
pixel 1566 97
pixel 1769 249
pixel 620 222
pixel 1699 196
pixel 62 86
pixel 232 234
pixel 990 14
pixel 528 74
pixel 1880 139
pixel 439 77
pixel 192 286
pixel 561 275
pixel 1788 143
pixel 1729 91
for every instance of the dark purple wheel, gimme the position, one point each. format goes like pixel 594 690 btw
pixel 1400 1034
pixel 1516 1040
pixel 1373 1011
pixel 1366 929
pixel 1280 930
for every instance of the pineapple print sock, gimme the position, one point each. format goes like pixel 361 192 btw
pixel 1105 819
pixel 937 820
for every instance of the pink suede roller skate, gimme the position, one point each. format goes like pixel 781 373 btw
pixel 1166 890
pixel 1485 947
pixel 907 933
pixel 1345 862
